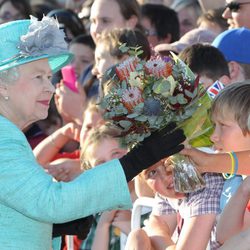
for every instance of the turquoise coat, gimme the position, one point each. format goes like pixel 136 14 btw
pixel 30 201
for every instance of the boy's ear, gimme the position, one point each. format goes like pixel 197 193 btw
pixel 225 79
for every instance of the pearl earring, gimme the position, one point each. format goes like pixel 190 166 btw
pixel 6 98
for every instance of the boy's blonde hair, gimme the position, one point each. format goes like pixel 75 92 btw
pixel 234 101
pixel 96 136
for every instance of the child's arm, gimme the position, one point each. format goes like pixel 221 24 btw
pixel 240 241
pixel 101 239
pixel 122 220
pixel 47 149
pixel 218 163
pixel 191 235
pixel 235 217
pixel 195 233
pixel 160 229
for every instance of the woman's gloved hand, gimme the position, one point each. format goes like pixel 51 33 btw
pixel 158 145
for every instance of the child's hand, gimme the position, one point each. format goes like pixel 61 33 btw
pixel 122 220
pixel 199 158
pixel 72 131
pixel 107 217
pixel 64 169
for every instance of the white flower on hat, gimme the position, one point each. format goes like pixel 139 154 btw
pixel 43 37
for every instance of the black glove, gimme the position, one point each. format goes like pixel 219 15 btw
pixel 80 227
pixel 158 145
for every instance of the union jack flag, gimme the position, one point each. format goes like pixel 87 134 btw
pixel 214 89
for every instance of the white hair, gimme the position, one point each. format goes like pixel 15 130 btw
pixel 9 76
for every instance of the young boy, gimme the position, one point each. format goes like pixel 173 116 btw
pixel 207 62
pixel 198 209
pixel 230 113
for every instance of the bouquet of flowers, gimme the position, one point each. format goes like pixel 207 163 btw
pixel 145 96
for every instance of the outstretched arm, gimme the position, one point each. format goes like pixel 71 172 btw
pixel 101 239
pixel 191 228
pixel 218 163
pixel 235 217
pixel 47 149
pixel 240 241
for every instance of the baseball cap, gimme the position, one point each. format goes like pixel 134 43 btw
pixel 234 44
pixel 197 35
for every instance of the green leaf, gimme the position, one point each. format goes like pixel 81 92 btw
pixel 152 120
pixel 139 108
pixel 123 48
pixel 133 115
pixel 161 87
pixel 189 94
pixel 125 124
pixel 124 85
pixel 120 110
pixel 139 67
pixel 139 52
pixel 181 99
pixel 141 118
pixel 173 100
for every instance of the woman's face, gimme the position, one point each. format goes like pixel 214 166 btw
pixel 83 57
pixel 105 15
pixel 9 13
pixel 30 95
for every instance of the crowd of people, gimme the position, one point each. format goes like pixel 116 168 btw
pixel 66 180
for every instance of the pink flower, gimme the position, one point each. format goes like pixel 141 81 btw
pixel 131 97
pixel 123 69
pixel 158 67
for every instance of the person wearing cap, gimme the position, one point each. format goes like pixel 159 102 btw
pixel 30 201
pixel 197 35
pixel 234 45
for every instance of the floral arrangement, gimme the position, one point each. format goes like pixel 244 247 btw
pixel 43 37
pixel 145 96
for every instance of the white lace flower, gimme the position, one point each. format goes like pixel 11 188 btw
pixel 43 37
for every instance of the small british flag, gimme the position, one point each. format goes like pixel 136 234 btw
pixel 214 89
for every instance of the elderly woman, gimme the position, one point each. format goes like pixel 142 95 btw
pixel 30 201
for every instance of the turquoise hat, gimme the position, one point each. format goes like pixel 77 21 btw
pixel 24 41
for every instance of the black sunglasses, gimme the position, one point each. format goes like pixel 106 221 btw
pixel 235 6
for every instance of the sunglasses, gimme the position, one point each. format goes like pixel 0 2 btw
pixel 235 6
